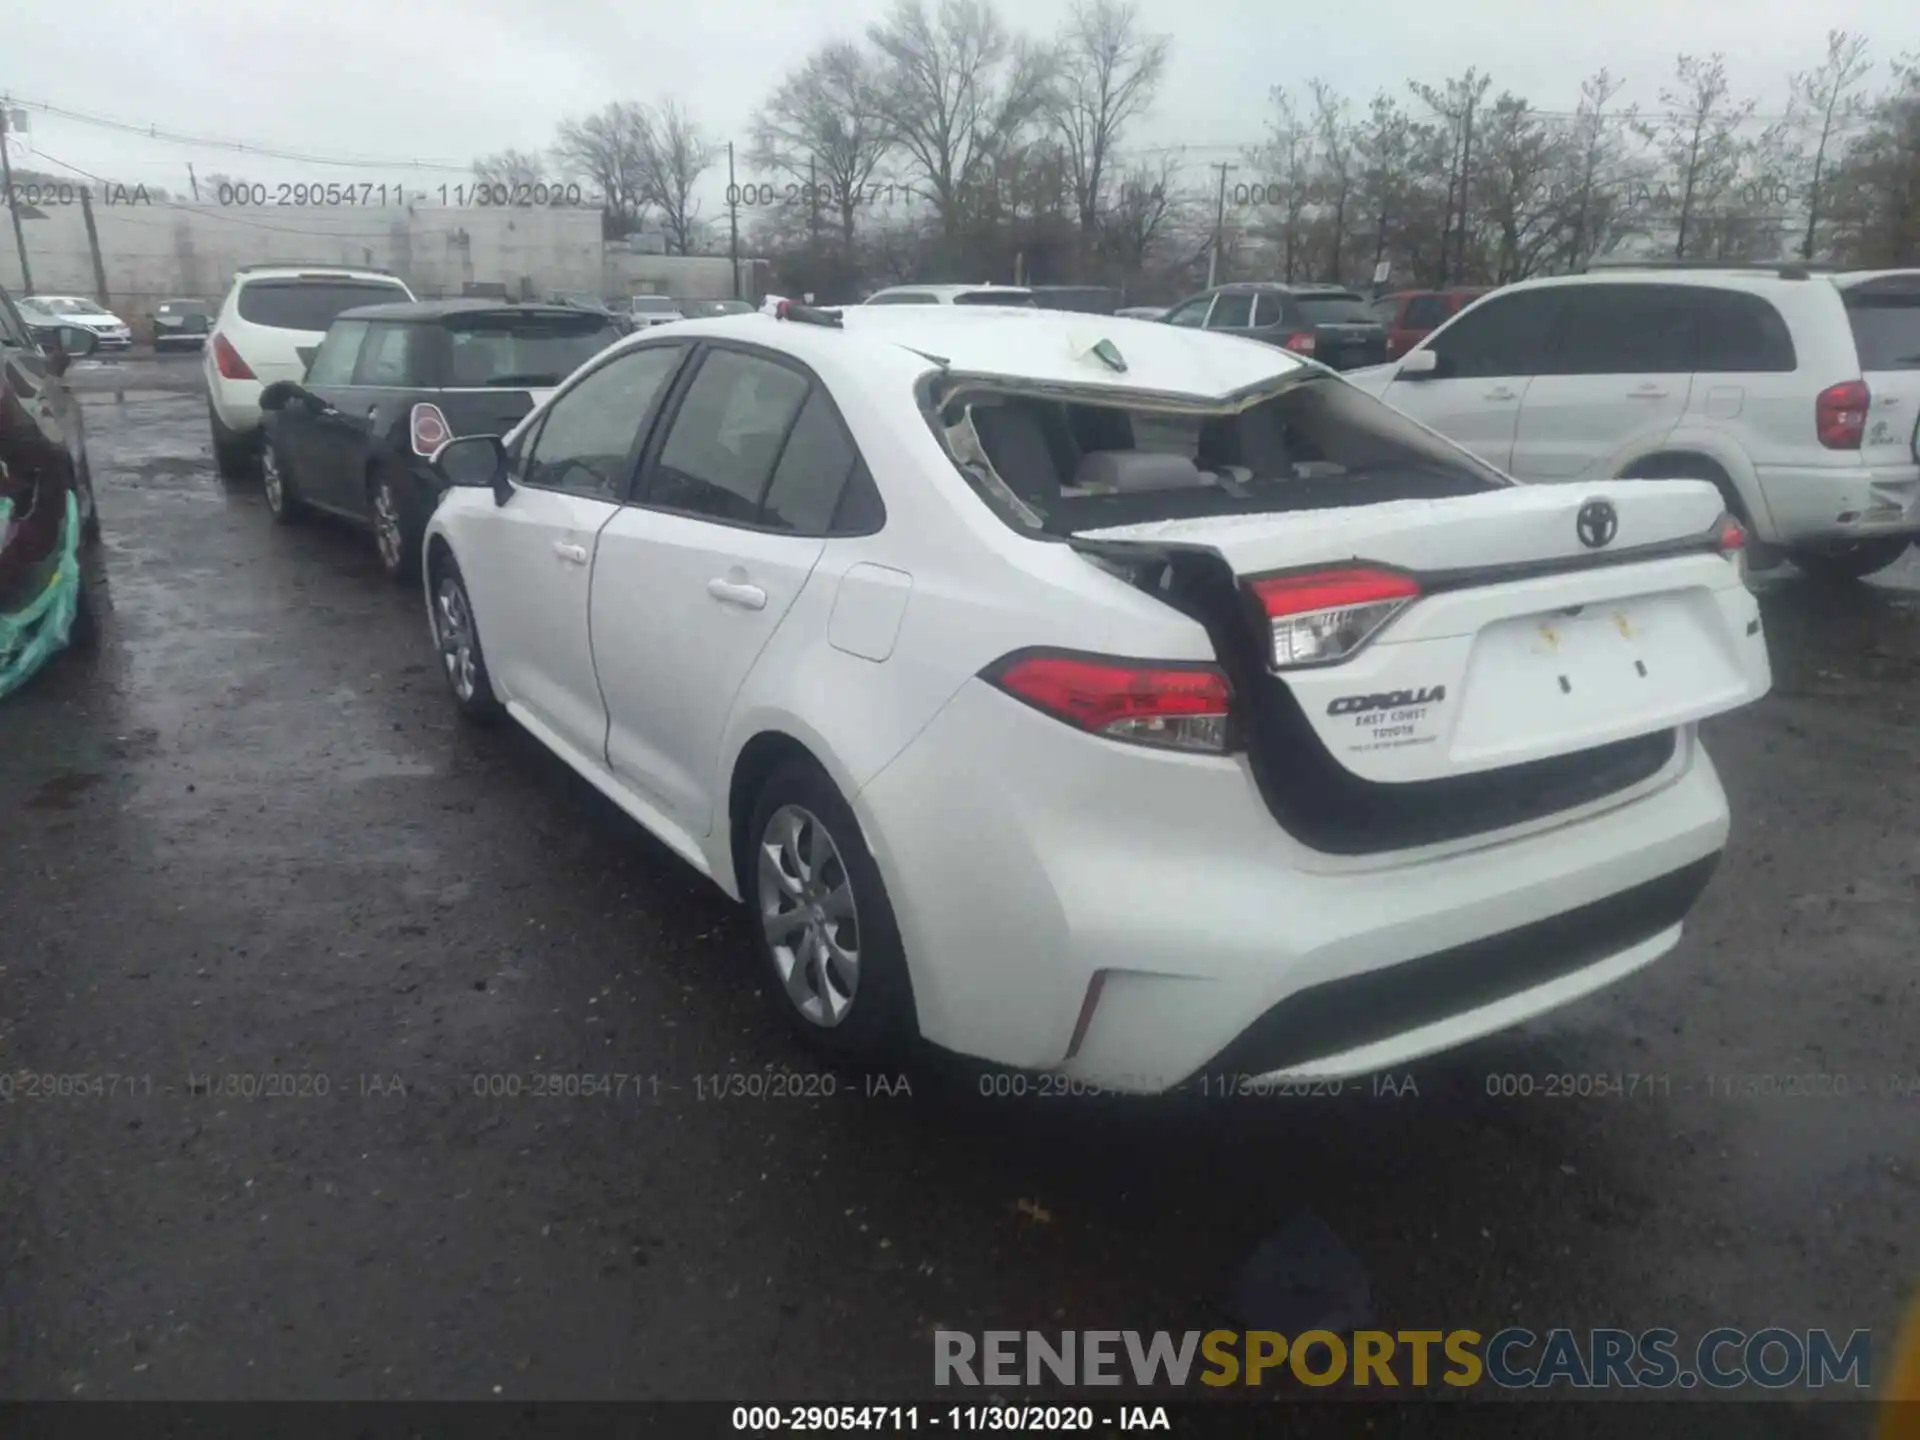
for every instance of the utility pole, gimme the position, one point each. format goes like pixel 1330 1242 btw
pixel 194 182
pixel 1466 175
pixel 733 221
pixel 813 200
pixel 12 199
pixel 93 244
pixel 1219 224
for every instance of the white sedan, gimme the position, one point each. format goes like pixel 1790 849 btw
pixel 1101 697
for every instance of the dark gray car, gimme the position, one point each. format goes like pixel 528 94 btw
pixel 1327 322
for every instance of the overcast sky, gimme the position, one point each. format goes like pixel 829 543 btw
pixel 445 80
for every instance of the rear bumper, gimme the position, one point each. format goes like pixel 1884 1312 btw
pixel 1166 875
pixel 1840 504
pixel 236 402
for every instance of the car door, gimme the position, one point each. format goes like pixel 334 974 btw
pixel 345 437
pixel 1613 380
pixel 299 430
pixel 692 580
pixel 1484 360
pixel 529 569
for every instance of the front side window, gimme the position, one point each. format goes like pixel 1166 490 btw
pixel 1190 314
pixel 726 438
pixel 586 441
pixel 334 362
pixel 1498 339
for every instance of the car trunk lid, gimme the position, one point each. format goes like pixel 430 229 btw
pixel 1535 623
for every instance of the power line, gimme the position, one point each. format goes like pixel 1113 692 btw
pixel 245 147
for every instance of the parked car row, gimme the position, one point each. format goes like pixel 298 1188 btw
pixel 865 636
pixel 50 312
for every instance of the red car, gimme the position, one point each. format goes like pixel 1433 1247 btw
pixel 1412 315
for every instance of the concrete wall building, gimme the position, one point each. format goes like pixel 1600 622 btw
pixel 152 251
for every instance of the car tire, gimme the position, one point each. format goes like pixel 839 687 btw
pixel 1844 560
pixel 804 847
pixel 277 487
pixel 90 519
pixel 456 639
pixel 236 456
pixel 397 526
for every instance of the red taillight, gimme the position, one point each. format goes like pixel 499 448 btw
pixel 227 361
pixel 1301 344
pixel 1326 615
pixel 1840 414
pixel 1172 707
pixel 430 430
pixel 1733 535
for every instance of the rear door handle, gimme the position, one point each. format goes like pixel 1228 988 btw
pixel 1648 392
pixel 1502 394
pixel 728 592
pixel 572 554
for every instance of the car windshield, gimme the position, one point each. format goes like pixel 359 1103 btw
pixel 296 304
pixel 1335 310
pixel 1060 466
pixel 1886 328
pixel 530 350
pixel 67 305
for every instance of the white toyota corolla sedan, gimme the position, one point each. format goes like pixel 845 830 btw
pixel 1100 697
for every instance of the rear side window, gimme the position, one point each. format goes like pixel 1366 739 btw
pixel 390 357
pixel 333 365
pixel 310 304
pixel 813 471
pixel 1502 337
pixel 1266 309
pixel 1624 330
pixel 1232 311
pixel 1886 323
pixel 726 437
pixel 1736 332
pixel 1021 298
pixel 909 298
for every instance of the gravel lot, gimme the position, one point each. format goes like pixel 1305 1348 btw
pixel 249 837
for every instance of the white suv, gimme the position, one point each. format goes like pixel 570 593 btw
pixel 271 322
pixel 1795 390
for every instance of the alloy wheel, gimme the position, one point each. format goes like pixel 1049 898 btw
pixel 454 635
pixel 271 480
pixel 386 525
pixel 809 916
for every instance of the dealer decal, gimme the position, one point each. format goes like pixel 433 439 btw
pixel 1391 718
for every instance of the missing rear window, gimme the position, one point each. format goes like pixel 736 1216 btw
pixel 1058 465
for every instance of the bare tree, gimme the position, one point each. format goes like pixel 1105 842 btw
pixel 1335 130
pixel 1700 138
pixel 1145 207
pixel 609 151
pixel 1827 97
pixel 1108 76
pixel 1597 159
pixel 1288 161
pixel 824 126
pixel 676 154
pixel 1514 189
pixel 1383 152
pixel 956 90
pixel 1876 184
pixel 1455 103
pixel 515 169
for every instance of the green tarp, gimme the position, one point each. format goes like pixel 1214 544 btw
pixel 34 634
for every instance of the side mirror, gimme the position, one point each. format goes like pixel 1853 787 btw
pixel 1419 365
pixel 475 462
pixel 282 393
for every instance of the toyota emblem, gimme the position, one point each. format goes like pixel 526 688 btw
pixel 1597 524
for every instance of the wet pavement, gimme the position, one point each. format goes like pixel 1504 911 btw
pixel 311 947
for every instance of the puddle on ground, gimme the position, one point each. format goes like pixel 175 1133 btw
pixel 63 791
